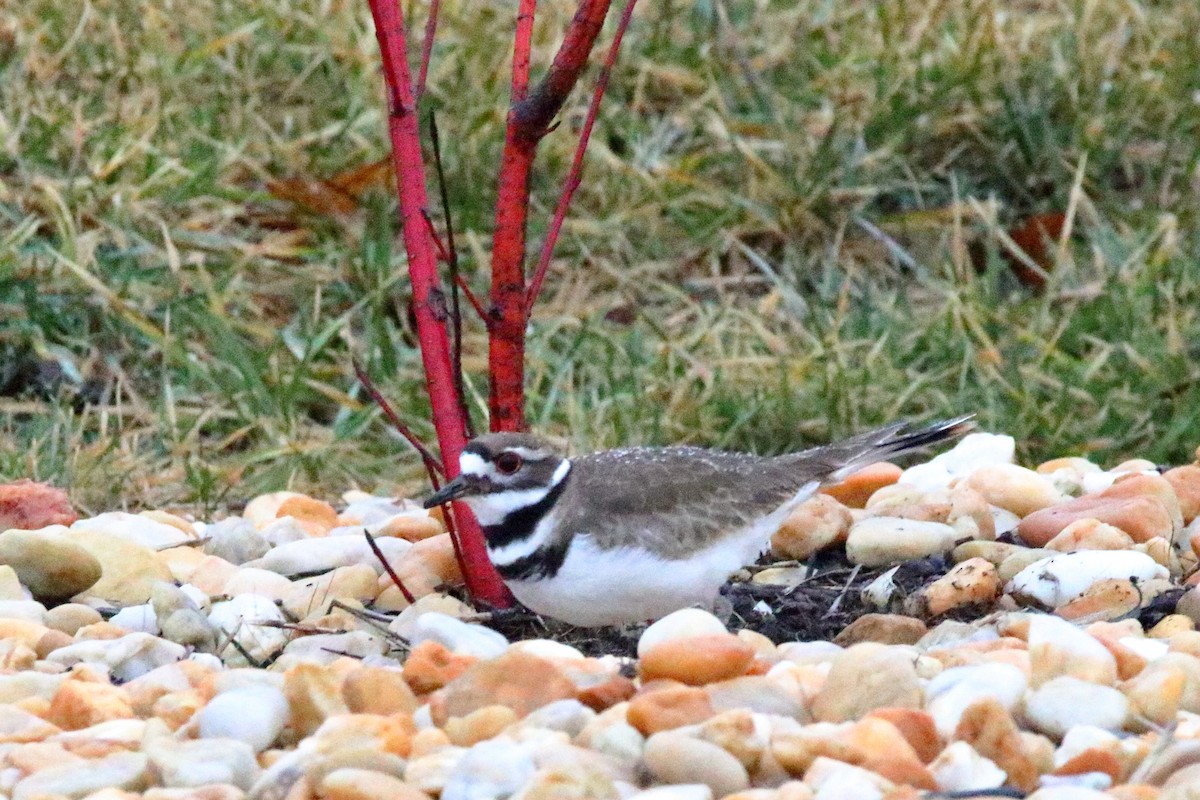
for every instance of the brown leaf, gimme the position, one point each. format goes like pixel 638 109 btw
pixel 1033 235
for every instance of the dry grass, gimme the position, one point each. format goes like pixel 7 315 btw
pixel 777 240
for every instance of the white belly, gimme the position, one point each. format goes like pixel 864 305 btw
pixel 613 587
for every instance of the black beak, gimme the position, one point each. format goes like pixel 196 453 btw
pixel 451 491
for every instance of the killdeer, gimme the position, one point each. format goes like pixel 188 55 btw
pixel 633 534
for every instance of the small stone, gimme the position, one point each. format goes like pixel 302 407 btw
pixel 136 619
pixel 264 509
pixel 1185 481
pixel 405 623
pixel 971 582
pixel 865 677
pixel 431 665
pixel 675 758
pixel 817 523
pixel 311 597
pixel 988 727
pixel 480 725
pixel 993 552
pixel 517 680
pixel 330 552
pixel 676 791
pixel 126 657
pixel 181 619
pixel 1011 566
pixel 140 529
pixel 959 768
pixel 1056 647
pixel 1013 488
pixel 249 580
pixel 662 708
pixel 1142 517
pixel 856 488
pixel 878 541
pixel 758 693
pixel 253 714
pixel 916 726
pixel 202 762
pixel 29 506
pixel 117 771
pixel 462 638
pixel 352 783
pixel 1103 600
pixel 410 527
pixel 70 617
pixel 128 570
pixel 1064 702
pixel 682 624
pixel 697 660
pixel 882 628
pixel 1170 625
pixel 490 769
pixel 430 773
pixel 242 619
pixel 48 564
pixel 952 691
pixel 378 690
pixel 314 694
pixel 1089 534
pixel 82 704
pixel 315 516
pixel 235 540
pixel 972 452
pixel 18 726
pixel 1058 579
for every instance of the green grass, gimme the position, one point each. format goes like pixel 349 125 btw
pixel 776 241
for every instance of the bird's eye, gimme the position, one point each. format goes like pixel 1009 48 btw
pixel 508 462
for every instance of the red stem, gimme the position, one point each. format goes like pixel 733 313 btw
pixel 428 298
pixel 522 49
pixel 427 46
pixel 575 176
pixel 529 116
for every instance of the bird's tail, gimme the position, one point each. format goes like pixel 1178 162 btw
pixel 847 456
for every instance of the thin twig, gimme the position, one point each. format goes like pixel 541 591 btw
pixel 472 299
pixel 427 47
pixel 432 465
pixel 837 601
pixel 452 263
pixel 574 178
pixel 443 253
pixel 388 568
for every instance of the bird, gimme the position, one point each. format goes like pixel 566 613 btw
pixel 629 535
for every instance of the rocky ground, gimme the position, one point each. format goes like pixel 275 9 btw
pixel 963 628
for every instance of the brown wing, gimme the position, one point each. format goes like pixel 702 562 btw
pixel 704 493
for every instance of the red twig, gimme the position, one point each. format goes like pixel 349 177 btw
pixel 522 49
pixel 388 568
pixel 575 176
pixel 471 298
pixel 427 46
pixel 528 119
pixel 442 252
pixel 428 298
pixel 432 465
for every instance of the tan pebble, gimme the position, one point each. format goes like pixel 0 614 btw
pixel 916 726
pixel 865 677
pixel 431 665
pixel 1013 488
pixel 353 783
pixel 988 727
pixel 128 570
pixel 971 514
pixel 37 756
pixel 660 708
pixel 70 617
pixel 23 631
pixel 50 642
pixel 177 708
pixel 763 646
pixel 480 724
pixel 736 733
pixel 675 758
pixel 887 753
pixel 817 523
pixel 919 512
pixel 1019 560
pixel 607 693
pixel 796 752
pixel 877 541
pixel 895 496
pixel 263 510
pixel 81 704
pixel 1141 516
pixel 1089 534
pixel 436 553
pixel 213 791
pixel 1107 599
pixel 994 552
pixel 431 772
pixel 857 488
pixel 518 680
pixel 1185 481
pixel 1187 642
pixel 796 790
pixel 214 576
pixel 378 690
pixel 314 595
pixel 428 740
pixel 413 529
pixel 1170 625
pixel 972 582
pixel 882 628
pixel 314 693
pixel 1092 759
pixel 697 660
pixel 316 517
pixel 1189 604
pixel 50 565
pixel 1162 552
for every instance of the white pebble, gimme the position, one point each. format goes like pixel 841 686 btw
pixel 959 768
pixel 951 691
pixel 254 714
pixel 682 624
pixel 490 769
pixel 1064 702
pixel 1058 579
pixel 463 638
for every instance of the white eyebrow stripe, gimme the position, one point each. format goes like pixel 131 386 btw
pixel 471 464
pixel 528 453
